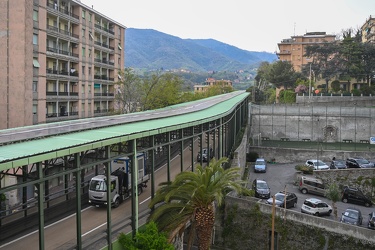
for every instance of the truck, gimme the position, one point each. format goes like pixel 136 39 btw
pixel 121 187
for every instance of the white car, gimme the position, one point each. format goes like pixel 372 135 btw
pixel 317 164
pixel 316 207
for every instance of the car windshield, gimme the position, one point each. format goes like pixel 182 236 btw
pixel 262 185
pixel 339 163
pixel 363 161
pixel 319 163
pixel 279 197
pixel 351 214
pixel 98 186
pixel 260 162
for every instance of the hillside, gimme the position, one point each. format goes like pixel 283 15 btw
pixel 152 50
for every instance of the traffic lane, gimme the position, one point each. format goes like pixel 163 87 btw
pixel 283 176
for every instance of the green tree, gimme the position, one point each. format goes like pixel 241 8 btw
pixel 147 238
pixel 160 90
pixel 191 197
pixel 334 194
pixel 282 74
pixel 335 85
pixel 128 92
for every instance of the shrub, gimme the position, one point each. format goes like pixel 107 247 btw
pixel 148 238
pixel 304 169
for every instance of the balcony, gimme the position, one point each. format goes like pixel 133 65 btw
pixel 55 7
pixel 61 31
pixel 62 72
pixel 62 52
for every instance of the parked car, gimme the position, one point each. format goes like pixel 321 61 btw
pixel 338 164
pixel 261 189
pixel 311 185
pixel 371 220
pixel 316 207
pixel 317 164
pixel 355 195
pixel 352 216
pixel 260 165
pixel 204 155
pixel 291 199
pixel 358 163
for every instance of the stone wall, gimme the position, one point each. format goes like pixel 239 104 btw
pixel 361 101
pixel 244 223
pixel 293 155
pixel 325 124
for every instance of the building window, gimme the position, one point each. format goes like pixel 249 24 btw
pixel 35 86
pixel 35 15
pixel 35 39
pixel 36 63
pixel 83 32
pixel 89 71
pixel 83 52
pixel 83 14
pixel 83 70
pixel 35 109
pixel 90 17
pixel 89 53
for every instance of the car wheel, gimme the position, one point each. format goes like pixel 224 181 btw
pixel 329 212
pixel 117 203
pixel 295 204
pixel 345 200
pixel 304 191
pixel 367 204
pixel 140 190
pixel 316 214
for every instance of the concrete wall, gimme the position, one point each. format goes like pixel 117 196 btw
pixel 360 101
pixel 326 124
pixel 239 156
pixel 246 223
pixel 293 155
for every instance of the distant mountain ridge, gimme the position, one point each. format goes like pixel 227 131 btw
pixel 152 50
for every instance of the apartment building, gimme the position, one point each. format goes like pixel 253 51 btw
pixel 59 59
pixel 368 30
pixel 212 82
pixel 293 49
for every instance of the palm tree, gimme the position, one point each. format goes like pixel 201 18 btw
pixel 190 199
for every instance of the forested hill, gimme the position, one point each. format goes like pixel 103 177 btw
pixel 152 50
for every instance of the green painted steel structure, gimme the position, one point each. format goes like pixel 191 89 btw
pixel 39 151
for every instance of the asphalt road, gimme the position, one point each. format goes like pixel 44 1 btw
pixel 281 176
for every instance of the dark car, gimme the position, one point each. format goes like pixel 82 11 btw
pixel 291 199
pixel 355 195
pixel 261 189
pixel 352 216
pixel 371 220
pixel 338 164
pixel 205 154
pixel 358 163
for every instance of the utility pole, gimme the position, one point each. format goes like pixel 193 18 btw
pixel 310 82
pixel 273 224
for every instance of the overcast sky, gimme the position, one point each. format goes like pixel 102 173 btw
pixel 249 25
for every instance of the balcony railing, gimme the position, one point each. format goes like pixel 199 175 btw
pixel 104 94
pixel 62 10
pixel 61 31
pixel 59 114
pixel 98 26
pixel 100 111
pixel 103 77
pixel 62 72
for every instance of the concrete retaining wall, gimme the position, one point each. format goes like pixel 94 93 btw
pixel 246 224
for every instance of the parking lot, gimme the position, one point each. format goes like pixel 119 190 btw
pixel 283 176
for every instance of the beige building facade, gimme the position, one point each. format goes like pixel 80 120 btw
pixel 368 30
pixel 212 82
pixel 293 49
pixel 60 60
